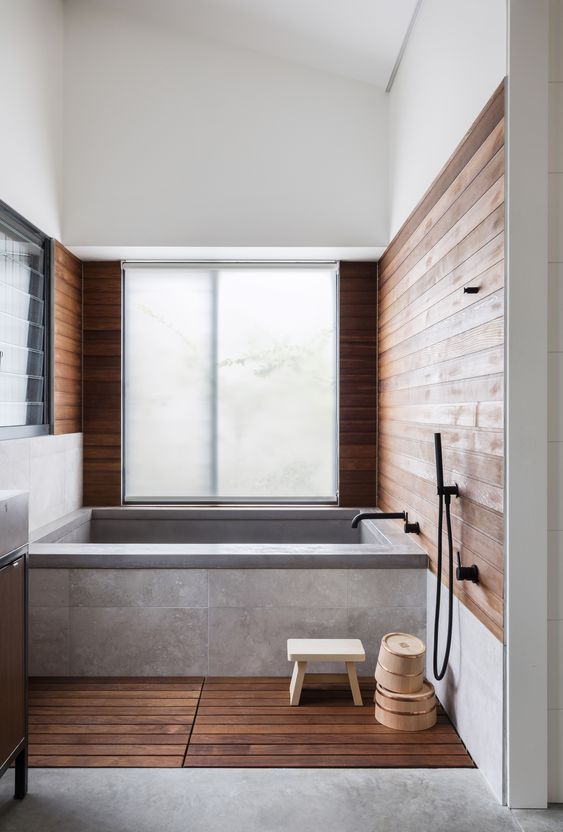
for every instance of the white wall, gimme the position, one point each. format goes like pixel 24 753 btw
pixel 49 468
pixel 526 406
pixel 176 141
pixel 555 420
pixel 31 65
pixel 472 689
pixel 31 133
pixel 455 59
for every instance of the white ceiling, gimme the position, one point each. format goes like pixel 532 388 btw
pixel 248 254
pixel 358 39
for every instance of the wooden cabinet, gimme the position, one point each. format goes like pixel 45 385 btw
pixel 13 671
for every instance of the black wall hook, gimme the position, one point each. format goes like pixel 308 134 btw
pixel 470 290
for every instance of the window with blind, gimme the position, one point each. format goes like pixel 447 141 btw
pixel 230 383
pixel 24 309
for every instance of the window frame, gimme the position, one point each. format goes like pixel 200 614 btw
pixel 242 501
pixel 20 225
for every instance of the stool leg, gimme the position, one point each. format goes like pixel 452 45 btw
pixel 296 685
pixel 352 676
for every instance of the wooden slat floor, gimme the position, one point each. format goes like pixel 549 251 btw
pixel 222 722
pixel 111 722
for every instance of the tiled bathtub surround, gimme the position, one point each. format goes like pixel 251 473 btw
pixel 472 689
pixel 217 622
pixel 49 468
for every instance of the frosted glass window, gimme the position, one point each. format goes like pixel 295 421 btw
pixel 230 383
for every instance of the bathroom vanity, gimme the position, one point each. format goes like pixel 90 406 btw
pixel 13 636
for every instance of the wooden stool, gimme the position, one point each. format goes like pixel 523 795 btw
pixel 303 650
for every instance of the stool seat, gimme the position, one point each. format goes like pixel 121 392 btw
pixel 325 650
pixel 303 650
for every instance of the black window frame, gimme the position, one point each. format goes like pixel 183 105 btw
pixel 21 225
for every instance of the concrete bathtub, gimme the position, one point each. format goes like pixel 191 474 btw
pixel 217 591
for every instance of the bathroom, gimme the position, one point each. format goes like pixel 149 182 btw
pixel 271 361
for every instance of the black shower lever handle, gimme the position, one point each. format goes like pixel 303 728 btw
pixel 466 573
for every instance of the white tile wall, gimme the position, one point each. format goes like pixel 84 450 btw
pixel 555 406
pixel 49 468
pixel 472 690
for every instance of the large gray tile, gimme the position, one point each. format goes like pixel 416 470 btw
pixel 555 127
pixel 49 587
pixel 555 755
pixel 555 218
pixel 370 625
pixel 138 641
pixel 386 587
pixel 277 588
pixel 48 641
pixel 253 800
pixel 138 588
pixel 253 642
pixel 555 396
pixel 555 664
pixel 555 575
pixel 555 41
pixel 555 308
pixel 555 482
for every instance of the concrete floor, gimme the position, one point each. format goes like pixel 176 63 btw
pixel 541 820
pixel 260 800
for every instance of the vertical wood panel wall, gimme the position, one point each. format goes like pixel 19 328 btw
pixel 67 364
pixel 441 359
pixel 358 384
pixel 102 384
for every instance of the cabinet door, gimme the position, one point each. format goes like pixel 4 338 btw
pixel 12 657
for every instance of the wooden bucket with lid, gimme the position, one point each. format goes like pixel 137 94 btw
pixel 400 666
pixel 402 653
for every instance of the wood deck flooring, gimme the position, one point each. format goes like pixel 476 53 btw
pixel 222 722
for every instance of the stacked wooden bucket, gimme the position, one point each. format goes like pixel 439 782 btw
pixel 403 699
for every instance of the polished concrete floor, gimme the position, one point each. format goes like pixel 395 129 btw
pixel 546 820
pixel 263 800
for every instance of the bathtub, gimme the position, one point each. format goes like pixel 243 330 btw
pixel 215 591
pixel 250 538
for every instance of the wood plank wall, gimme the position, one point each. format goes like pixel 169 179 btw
pixel 441 359
pixel 358 384
pixel 67 364
pixel 102 383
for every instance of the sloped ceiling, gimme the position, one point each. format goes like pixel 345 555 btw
pixel 357 39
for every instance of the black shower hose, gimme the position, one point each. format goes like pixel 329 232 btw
pixel 446 500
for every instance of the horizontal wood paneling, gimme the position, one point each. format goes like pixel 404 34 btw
pixel 102 383
pixel 67 364
pixel 358 384
pixel 441 360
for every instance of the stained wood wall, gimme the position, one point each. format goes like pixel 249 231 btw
pixel 358 384
pixel 67 364
pixel 102 383
pixel 441 359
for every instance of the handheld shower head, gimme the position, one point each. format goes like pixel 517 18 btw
pixel 441 489
pixel 439 463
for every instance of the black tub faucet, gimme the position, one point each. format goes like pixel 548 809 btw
pixel 410 528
